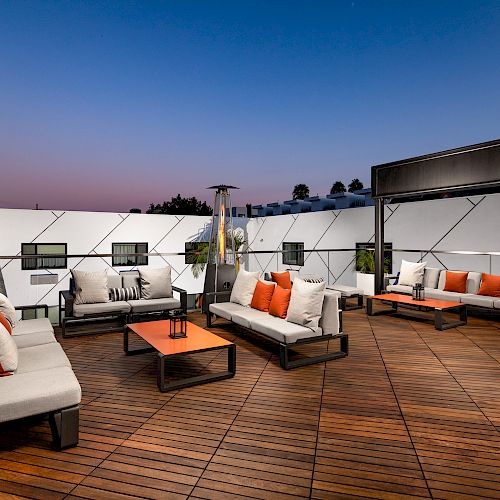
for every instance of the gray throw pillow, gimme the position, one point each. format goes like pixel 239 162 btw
pixel 156 283
pixel 91 288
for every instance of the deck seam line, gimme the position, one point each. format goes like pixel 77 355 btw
pixel 319 424
pixel 455 379
pixel 401 411
pixel 231 424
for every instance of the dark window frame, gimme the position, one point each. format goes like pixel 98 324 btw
pixel 133 259
pixel 25 263
pixel 287 253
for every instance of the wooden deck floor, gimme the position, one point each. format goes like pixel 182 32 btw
pixel 412 412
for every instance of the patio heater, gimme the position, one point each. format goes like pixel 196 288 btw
pixel 221 259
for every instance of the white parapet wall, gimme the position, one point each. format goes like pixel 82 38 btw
pixel 467 224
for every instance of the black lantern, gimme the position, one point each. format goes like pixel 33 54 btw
pixel 178 328
pixel 418 292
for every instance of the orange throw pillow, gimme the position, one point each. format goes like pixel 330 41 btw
pixel 282 279
pixel 490 285
pixel 280 301
pixel 455 282
pixel 262 296
pixel 5 322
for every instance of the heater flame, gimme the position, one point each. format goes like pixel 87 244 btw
pixel 222 233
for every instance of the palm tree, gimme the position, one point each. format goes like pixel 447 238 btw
pixel 338 187
pixel 300 191
pixel 355 185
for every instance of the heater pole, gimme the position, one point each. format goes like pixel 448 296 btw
pixel 379 246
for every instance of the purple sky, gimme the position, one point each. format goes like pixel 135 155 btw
pixel 113 105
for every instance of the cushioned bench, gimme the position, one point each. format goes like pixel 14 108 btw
pixel 348 293
pixel 43 382
pixel 124 310
pixel 284 333
pixel 434 284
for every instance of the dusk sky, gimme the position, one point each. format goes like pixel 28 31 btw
pixel 115 104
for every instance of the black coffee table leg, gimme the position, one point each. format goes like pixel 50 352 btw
pixel 131 352
pixel 441 324
pixel 198 379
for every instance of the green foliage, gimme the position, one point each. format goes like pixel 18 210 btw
pixel 365 262
pixel 338 187
pixel 355 185
pixel 199 261
pixel 181 206
pixel 300 191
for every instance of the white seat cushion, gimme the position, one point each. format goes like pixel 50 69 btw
pixel 282 330
pixel 496 303
pixel 225 309
pixel 41 357
pixel 35 338
pixel 152 305
pixel 399 289
pixel 479 300
pixel 346 291
pixel 245 315
pixel 120 307
pixel 442 295
pixel 38 392
pixel 28 326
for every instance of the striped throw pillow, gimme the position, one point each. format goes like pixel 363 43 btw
pixel 130 293
pixel 313 279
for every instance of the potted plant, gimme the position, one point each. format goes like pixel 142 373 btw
pixel 365 270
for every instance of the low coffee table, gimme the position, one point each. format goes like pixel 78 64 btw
pixel 437 305
pixel 156 334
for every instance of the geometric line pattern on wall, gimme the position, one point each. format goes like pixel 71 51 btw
pixel 39 234
pixel 83 258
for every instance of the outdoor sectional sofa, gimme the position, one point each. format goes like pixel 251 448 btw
pixel 434 282
pixel 43 384
pixel 124 310
pixel 282 332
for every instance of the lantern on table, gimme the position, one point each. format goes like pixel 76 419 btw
pixel 418 292
pixel 178 327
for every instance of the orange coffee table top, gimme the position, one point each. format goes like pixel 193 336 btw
pixel 407 299
pixel 156 334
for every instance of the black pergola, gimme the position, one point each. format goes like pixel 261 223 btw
pixel 458 172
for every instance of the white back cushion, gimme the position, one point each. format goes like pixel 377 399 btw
pixel 156 283
pixel 91 287
pixel 306 303
pixel 7 309
pixel 411 273
pixel 8 351
pixel 243 287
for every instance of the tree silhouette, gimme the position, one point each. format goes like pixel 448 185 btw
pixel 355 185
pixel 300 191
pixel 181 206
pixel 338 187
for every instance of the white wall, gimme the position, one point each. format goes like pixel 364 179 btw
pixel 454 224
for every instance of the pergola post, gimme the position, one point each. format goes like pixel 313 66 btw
pixel 379 246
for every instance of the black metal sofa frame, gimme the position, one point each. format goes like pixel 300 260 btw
pixel 66 300
pixel 284 349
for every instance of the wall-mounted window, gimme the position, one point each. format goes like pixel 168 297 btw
pixel 293 253
pixel 130 248
pixel 365 257
pixel 56 260
pixel 196 252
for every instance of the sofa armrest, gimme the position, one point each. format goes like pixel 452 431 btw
pixel 66 301
pixel 45 308
pixel 210 297
pixel 330 320
pixel 183 297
